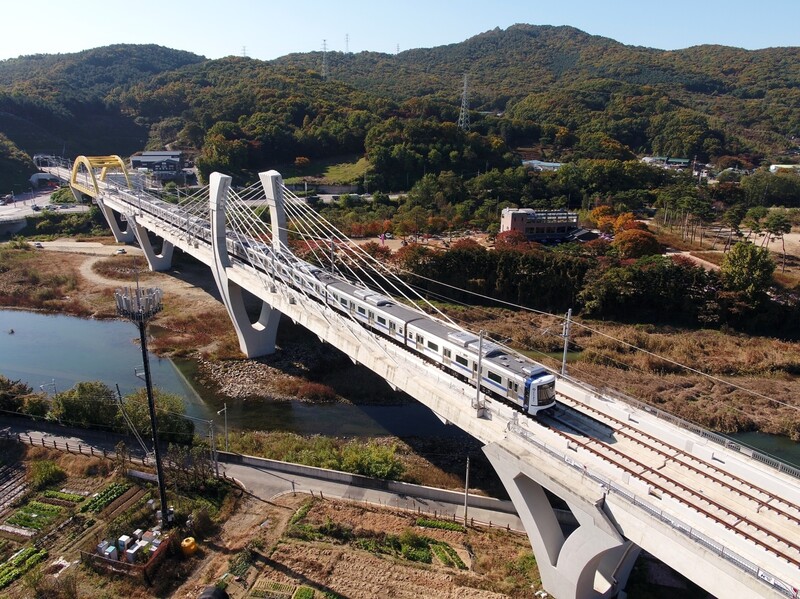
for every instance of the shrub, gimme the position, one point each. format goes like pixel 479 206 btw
pixel 316 392
pixel 44 473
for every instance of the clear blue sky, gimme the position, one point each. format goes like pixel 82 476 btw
pixel 268 29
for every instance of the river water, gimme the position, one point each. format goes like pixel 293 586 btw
pixel 53 350
pixel 46 350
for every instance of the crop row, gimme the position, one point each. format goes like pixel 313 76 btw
pixel 440 524
pixel 447 555
pixel 71 497
pixel 19 564
pixel 35 515
pixel 101 500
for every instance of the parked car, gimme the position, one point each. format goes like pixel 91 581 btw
pixel 121 251
pixel 37 245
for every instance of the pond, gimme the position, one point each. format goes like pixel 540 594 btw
pixel 48 351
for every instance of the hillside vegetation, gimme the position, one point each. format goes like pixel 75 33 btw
pixel 558 90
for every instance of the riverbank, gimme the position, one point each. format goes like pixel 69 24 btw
pixel 753 384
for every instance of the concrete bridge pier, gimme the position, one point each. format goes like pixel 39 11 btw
pixel 156 262
pixel 255 338
pixel 592 562
pixel 120 236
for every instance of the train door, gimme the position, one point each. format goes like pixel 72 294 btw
pixel 526 396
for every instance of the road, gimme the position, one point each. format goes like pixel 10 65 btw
pixel 266 483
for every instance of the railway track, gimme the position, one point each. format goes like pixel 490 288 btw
pixel 739 505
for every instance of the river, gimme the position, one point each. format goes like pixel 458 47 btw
pixel 48 351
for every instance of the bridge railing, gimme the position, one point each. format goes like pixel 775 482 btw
pixel 686 530
pixel 722 440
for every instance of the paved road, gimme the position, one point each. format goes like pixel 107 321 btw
pixel 265 483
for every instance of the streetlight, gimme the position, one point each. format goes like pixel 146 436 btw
pixel 225 409
pixel 139 306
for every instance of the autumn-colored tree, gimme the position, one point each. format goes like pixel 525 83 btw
pixel 376 250
pixel 626 221
pixel 301 162
pixel 511 240
pixel 601 212
pixel 634 243
pixel 465 243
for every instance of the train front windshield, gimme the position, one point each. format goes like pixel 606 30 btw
pixel 546 394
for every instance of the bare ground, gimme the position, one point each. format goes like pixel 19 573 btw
pixel 327 565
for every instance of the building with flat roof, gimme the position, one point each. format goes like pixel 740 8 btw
pixel 539 225
pixel 163 165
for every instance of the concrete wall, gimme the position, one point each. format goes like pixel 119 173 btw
pixel 367 482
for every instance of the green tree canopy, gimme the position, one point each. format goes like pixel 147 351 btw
pixel 747 269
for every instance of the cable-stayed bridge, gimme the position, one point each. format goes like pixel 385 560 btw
pixel 633 477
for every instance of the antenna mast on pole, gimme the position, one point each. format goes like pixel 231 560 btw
pixel 463 117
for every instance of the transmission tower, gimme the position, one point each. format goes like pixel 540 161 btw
pixel 324 59
pixel 463 117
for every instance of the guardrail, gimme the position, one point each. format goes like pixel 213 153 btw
pixel 722 440
pixel 707 542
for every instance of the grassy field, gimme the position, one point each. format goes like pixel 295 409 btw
pixel 338 170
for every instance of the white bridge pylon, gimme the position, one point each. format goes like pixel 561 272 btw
pixel 258 338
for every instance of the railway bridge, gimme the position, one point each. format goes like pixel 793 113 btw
pixel 634 478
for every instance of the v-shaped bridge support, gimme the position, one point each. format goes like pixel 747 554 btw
pixel 255 338
pixel 594 561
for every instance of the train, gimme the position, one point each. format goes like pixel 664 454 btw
pixel 526 385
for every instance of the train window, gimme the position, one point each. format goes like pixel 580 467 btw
pixel 382 320
pixel 447 353
pixel 343 301
pixel 462 360
pixel 494 377
pixel 433 346
pixel 362 311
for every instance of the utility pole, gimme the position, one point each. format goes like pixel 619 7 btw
pixel 466 493
pixel 566 342
pixel 139 306
pixel 225 410
pixel 478 405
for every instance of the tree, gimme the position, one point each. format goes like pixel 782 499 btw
pixel 732 218
pixel 12 394
pixel 777 225
pixel 170 409
pixel 635 243
pixel 90 404
pixel 752 219
pixel 747 269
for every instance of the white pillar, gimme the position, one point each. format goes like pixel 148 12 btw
pixel 120 236
pixel 593 561
pixel 255 339
pixel 272 182
pixel 156 262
